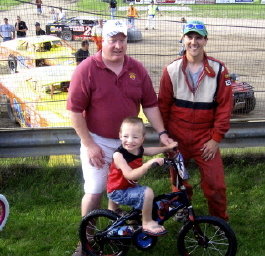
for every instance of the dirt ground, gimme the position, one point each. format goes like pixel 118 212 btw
pixel 240 48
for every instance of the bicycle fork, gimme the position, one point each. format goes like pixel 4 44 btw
pixel 197 231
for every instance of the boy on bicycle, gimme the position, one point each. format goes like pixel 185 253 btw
pixel 127 167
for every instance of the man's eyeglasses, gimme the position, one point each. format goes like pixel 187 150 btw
pixel 197 26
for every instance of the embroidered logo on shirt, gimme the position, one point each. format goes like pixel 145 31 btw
pixel 132 76
pixel 228 82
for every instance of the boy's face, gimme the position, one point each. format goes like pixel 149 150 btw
pixel 132 137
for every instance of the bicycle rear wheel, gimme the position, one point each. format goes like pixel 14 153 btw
pixel 207 235
pixel 96 244
pixel 4 211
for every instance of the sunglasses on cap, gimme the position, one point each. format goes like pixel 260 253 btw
pixel 197 26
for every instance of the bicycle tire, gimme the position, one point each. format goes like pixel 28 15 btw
pixel 95 222
pixel 4 211
pixel 216 238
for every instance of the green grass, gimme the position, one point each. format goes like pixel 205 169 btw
pixel 236 11
pixel 8 4
pixel 45 205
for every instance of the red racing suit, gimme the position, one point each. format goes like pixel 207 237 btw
pixel 195 116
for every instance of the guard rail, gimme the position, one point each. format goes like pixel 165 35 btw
pixel 64 141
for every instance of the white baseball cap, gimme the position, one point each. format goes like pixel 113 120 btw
pixel 113 27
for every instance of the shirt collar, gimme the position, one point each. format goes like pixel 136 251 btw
pixel 208 70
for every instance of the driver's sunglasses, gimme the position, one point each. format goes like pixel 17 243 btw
pixel 197 26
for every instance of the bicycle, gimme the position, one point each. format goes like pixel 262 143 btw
pixel 103 232
pixel 4 211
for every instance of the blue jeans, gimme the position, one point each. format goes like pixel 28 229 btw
pixel 131 21
pixel 7 38
pixel 39 10
pixel 112 13
pixel 133 196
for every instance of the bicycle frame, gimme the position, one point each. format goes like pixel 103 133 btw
pixel 103 232
pixel 164 206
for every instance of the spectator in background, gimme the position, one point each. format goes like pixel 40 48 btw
pixel 7 31
pixel 195 100
pixel 151 13
pixel 39 31
pixel 83 52
pixel 54 15
pixel 21 27
pixel 39 3
pixel 96 34
pixel 105 88
pixel 61 15
pixel 131 14
pixel 183 23
pixel 113 8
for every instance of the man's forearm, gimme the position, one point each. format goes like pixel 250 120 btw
pixel 80 126
pixel 154 116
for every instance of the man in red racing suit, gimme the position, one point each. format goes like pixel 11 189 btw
pixel 195 100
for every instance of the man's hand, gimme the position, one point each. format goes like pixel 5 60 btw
pixel 96 155
pixel 165 140
pixel 209 150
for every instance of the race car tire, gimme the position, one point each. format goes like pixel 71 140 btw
pixel 12 64
pixel 134 34
pixel 10 112
pixel 67 35
pixel 250 105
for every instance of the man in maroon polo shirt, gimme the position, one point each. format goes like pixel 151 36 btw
pixel 105 88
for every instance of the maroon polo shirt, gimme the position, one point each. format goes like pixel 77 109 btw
pixel 104 98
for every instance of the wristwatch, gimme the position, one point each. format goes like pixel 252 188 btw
pixel 164 132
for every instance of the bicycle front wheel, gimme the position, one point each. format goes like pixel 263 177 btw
pixel 4 211
pixel 93 241
pixel 207 235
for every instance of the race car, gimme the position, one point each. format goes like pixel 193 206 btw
pixel 37 97
pixel 36 51
pixel 78 28
pixel 244 98
pixel 75 28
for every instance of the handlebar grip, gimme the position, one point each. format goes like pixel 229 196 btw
pixel 175 148
pixel 154 165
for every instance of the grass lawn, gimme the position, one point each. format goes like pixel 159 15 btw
pixel 237 11
pixel 45 206
pixel 8 4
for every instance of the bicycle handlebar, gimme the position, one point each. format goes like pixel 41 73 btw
pixel 154 165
